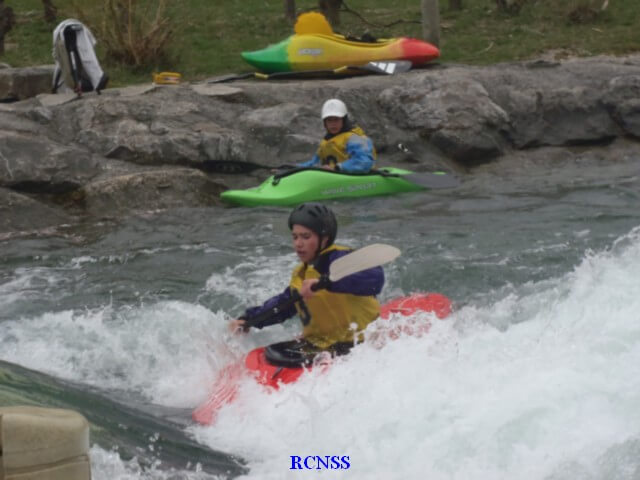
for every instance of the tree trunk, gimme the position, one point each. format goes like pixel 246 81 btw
pixel 431 21
pixel 7 21
pixel 510 6
pixel 455 4
pixel 331 10
pixel 290 10
pixel 50 11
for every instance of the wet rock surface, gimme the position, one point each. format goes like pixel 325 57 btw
pixel 146 147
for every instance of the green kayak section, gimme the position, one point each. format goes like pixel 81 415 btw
pixel 314 184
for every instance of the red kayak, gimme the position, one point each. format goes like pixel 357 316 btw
pixel 260 362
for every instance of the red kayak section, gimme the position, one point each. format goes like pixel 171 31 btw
pixel 226 385
pixel 418 302
pixel 268 374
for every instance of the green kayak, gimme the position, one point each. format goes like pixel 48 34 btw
pixel 315 184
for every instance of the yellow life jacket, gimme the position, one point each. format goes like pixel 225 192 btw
pixel 334 317
pixel 334 150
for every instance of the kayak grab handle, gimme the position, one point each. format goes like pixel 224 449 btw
pixel 280 175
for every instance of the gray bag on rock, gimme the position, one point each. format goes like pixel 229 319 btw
pixel 77 67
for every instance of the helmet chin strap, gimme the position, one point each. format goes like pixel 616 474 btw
pixel 323 240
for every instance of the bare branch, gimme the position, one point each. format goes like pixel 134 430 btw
pixel 346 8
pixel 290 10
pixel 50 11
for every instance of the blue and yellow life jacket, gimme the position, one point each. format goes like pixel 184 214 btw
pixel 333 150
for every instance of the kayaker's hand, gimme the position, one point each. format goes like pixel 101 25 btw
pixel 238 325
pixel 305 290
pixel 328 167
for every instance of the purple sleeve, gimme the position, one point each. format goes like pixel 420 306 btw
pixel 273 302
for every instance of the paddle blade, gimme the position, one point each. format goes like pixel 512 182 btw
pixel 223 392
pixel 388 67
pixel 362 259
pixel 433 180
pixel 231 77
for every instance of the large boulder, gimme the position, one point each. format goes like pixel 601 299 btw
pixel 149 191
pixel 622 99
pixel 38 164
pixel 22 214
pixel 156 127
pixel 22 83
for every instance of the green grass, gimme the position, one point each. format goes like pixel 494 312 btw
pixel 210 34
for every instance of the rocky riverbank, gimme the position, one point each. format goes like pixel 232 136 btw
pixel 145 148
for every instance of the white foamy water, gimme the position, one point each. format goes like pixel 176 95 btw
pixel 158 351
pixel 107 465
pixel 28 284
pixel 164 352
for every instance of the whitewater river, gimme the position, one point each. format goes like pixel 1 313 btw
pixel 536 374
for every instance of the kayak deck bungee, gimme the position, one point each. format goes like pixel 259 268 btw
pixel 225 388
pixel 317 184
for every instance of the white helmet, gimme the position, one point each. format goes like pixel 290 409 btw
pixel 334 108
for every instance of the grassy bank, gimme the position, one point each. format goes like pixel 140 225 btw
pixel 209 35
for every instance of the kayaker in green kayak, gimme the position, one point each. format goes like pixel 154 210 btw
pixel 345 146
pixel 333 316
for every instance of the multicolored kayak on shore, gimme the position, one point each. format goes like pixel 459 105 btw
pixel 258 364
pixel 314 46
pixel 316 184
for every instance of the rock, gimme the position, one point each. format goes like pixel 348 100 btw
pixel 302 145
pixel 217 90
pixel 158 128
pixel 271 124
pixel 564 116
pixel 458 116
pixel 36 164
pixel 151 190
pixel 143 147
pixel 53 99
pixel 135 90
pixel 623 101
pixel 20 213
pixel 22 83
pixel 12 121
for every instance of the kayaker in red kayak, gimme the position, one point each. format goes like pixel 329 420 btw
pixel 333 316
pixel 345 146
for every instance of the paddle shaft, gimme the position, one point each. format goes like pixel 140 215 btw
pixel 430 180
pixel 390 67
pixel 238 166
pixel 385 67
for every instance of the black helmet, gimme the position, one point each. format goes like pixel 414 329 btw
pixel 317 218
